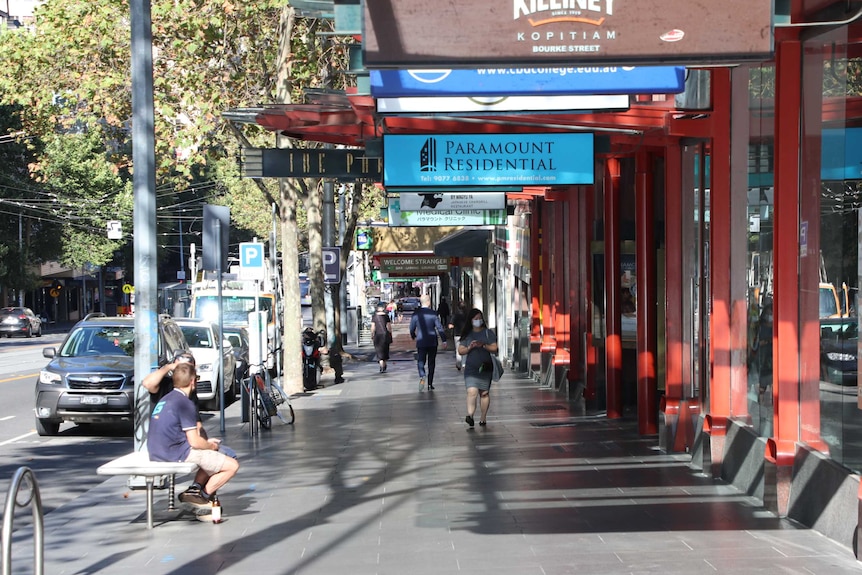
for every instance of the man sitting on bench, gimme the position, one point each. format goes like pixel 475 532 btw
pixel 174 436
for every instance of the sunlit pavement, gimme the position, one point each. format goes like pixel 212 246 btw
pixel 376 476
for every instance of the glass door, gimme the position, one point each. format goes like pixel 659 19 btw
pixel 695 269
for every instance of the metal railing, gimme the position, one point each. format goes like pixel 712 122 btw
pixel 24 475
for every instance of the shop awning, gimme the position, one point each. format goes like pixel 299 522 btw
pixel 464 243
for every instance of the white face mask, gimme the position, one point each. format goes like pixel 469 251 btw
pixel 478 322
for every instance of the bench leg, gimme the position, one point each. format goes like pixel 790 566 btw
pixel 149 502
pixel 171 488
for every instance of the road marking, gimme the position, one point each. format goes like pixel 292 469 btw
pixel 7 418
pixel 18 377
pixel 14 439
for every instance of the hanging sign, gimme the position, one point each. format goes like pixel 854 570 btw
pixel 452 200
pixel 398 217
pixel 479 33
pixel 449 160
pixel 563 80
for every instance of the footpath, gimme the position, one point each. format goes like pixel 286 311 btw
pixel 376 477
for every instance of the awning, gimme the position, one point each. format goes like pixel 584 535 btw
pixel 463 243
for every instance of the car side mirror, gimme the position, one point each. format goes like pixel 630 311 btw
pixel 49 352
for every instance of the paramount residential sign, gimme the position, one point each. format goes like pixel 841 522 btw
pixel 476 33
pixel 456 160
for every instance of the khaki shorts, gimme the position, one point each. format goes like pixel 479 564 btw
pixel 210 461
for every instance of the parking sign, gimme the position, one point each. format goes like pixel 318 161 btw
pixel 251 261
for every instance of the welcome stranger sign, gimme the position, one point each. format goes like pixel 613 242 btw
pixel 470 33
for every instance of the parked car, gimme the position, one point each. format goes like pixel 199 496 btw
pixel 20 321
pixel 91 378
pixel 410 303
pixel 839 340
pixel 238 338
pixel 202 337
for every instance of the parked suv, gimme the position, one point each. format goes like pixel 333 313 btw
pixel 91 378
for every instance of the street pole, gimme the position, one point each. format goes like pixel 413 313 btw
pixel 144 184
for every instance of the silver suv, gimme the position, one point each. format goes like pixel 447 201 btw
pixel 91 378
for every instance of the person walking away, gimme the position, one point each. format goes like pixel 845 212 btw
pixel 381 335
pixel 425 327
pixel 457 325
pixel 443 311
pixel 392 308
pixel 174 436
pixel 476 345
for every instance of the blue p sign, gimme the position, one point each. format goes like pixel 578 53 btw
pixel 251 261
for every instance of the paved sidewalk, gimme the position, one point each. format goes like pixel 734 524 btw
pixel 376 477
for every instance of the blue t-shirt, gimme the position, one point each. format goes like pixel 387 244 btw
pixel 172 416
pixel 478 361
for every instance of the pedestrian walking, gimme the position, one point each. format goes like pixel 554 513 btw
pixel 381 335
pixel 476 345
pixel 459 318
pixel 425 327
pixel 443 311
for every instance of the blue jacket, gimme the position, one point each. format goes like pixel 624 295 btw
pixel 425 326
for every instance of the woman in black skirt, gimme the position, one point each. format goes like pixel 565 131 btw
pixel 381 335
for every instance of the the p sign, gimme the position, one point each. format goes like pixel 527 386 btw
pixel 251 261
pixel 331 265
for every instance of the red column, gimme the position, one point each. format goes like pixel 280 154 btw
pixel 785 384
pixel 646 294
pixel 613 327
pixel 575 280
pixel 809 264
pixel 586 203
pixel 678 433
pixel 719 247
pixel 535 283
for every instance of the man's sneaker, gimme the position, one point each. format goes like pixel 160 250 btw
pixel 194 498
pixel 194 489
pixel 421 383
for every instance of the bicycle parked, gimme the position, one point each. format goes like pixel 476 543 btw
pixel 267 399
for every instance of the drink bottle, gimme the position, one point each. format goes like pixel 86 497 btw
pixel 216 509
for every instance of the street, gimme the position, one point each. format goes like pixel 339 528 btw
pixel 64 465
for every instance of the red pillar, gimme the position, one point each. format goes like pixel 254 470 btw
pixel 575 280
pixel 647 297
pixel 586 203
pixel 781 448
pixel 674 437
pixel 535 283
pixel 719 261
pixel 613 327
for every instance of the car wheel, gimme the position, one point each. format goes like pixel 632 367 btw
pixel 39 333
pixel 47 427
pixel 29 331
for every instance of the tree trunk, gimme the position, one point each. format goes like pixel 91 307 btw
pixel 292 319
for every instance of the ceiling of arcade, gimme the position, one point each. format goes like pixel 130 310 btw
pixel 352 120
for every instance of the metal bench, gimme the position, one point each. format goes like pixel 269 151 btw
pixel 138 463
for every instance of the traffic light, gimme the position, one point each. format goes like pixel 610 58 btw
pixel 56 285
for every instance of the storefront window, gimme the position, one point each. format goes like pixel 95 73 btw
pixel 837 273
pixel 761 203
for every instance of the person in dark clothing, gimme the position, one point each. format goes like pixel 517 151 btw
pixel 443 311
pixel 457 325
pixel 381 335
pixel 477 343
pixel 425 327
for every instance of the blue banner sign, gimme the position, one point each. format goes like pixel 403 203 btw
pixel 528 81
pixel 487 160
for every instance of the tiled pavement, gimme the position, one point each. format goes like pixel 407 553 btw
pixel 376 477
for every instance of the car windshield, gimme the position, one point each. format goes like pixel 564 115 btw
pixel 198 336
pixel 839 330
pixel 234 338
pixel 100 340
